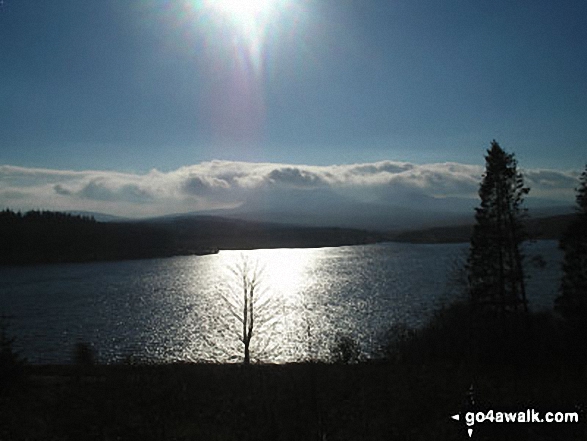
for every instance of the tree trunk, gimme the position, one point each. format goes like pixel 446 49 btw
pixel 247 359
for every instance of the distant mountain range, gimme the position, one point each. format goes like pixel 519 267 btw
pixel 398 215
pixel 230 229
pixel 99 217
pixel 251 229
pixel 550 227
pixel 324 207
pixel 381 210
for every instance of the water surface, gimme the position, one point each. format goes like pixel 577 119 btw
pixel 179 308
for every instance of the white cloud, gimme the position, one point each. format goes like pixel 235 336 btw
pixel 224 184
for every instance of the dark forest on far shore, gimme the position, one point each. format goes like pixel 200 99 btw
pixel 54 237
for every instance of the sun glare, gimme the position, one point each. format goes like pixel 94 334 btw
pixel 252 16
pixel 243 8
pixel 247 21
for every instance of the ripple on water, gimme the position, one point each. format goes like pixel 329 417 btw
pixel 174 309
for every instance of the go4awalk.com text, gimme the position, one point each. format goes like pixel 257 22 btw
pixel 525 416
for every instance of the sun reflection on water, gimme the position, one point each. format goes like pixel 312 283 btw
pixel 300 317
pixel 278 334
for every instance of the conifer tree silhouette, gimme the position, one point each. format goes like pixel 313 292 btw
pixel 495 262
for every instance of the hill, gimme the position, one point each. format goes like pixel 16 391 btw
pixel 550 227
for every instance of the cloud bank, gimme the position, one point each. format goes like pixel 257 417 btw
pixel 218 185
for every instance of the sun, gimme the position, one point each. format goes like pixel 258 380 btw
pixel 242 9
pixel 247 22
pixel 251 16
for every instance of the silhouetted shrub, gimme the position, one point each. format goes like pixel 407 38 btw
pixel 345 349
pixel 83 354
pixel 445 337
pixel 11 364
pixel 393 341
pixel 457 335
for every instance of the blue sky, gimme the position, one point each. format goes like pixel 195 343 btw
pixel 128 87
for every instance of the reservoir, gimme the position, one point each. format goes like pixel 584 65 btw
pixel 183 308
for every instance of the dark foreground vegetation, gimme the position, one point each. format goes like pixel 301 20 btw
pixel 422 378
pixel 53 237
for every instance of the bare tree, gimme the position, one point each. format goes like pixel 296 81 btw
pixel 247 301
